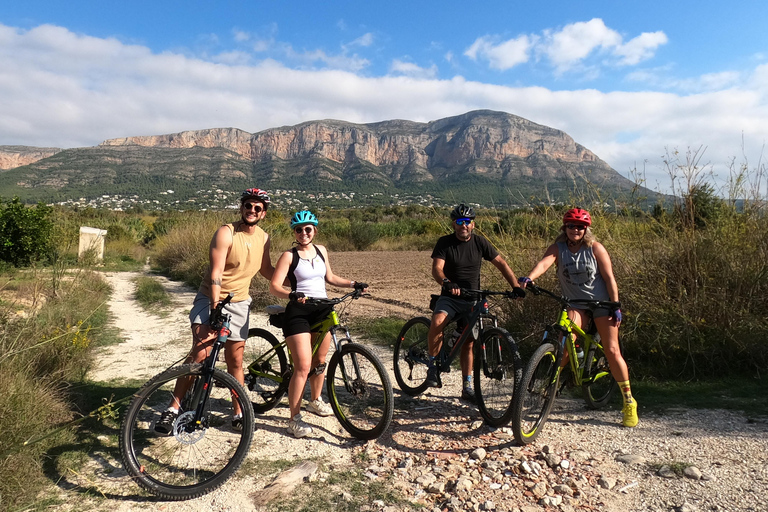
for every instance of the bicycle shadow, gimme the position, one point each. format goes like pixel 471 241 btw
pixel 441 426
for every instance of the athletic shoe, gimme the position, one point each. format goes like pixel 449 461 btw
pixel 630 414
pixel 468 394
pixel 433 381
pixel 237 422
pixel 165 425
pixel 298 428
pixel 319 407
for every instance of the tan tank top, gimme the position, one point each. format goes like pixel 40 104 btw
pixel 243 262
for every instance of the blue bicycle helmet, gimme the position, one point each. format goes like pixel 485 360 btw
pixel 303 217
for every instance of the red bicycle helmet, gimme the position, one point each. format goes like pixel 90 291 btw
pixel 256 193
pixel 578 216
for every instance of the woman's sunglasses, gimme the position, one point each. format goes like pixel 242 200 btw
pixel 576 227
pixel 463 222
pixel 256 207
pixel 306 229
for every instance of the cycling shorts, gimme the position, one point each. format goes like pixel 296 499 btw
pixel 300 317
pixel 201 313
pixel 453 306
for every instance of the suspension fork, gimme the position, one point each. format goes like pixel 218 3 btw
pixel 202 390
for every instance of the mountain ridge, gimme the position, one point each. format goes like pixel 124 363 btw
pixel 480 149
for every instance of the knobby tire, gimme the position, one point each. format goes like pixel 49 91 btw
pixel 411 355
pixel 268 365
pixel 185 464
pixel 497 375
pixel 360 392
pixel 536 394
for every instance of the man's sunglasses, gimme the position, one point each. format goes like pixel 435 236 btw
pixel 306 229
pixel 576 227
pixel 253 206
pixel 463 222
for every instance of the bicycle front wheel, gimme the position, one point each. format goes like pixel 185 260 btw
pixel 268 367
pixel 536 394
pixel 411 356
pixel 360 391
pixel 497 374
pixel 194 459
pixel 599 385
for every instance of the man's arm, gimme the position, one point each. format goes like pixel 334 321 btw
pixel 267 269
pixel 501 264
pixel 438 264
pixel 217 254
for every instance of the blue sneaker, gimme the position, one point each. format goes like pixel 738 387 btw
pixel 468 394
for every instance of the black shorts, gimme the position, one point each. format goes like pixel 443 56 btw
pixel 300 317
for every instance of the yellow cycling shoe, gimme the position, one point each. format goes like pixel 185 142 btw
pixel 630 414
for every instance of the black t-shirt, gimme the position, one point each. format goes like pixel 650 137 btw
pixel 463 259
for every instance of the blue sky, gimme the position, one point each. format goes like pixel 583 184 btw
pixel 629 80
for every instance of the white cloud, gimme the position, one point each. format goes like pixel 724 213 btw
pixel 503 55
pixel 400 67
pixel 364 41
pixel 568 48
pixel 62 89
pixel 640 48
pixel 576 41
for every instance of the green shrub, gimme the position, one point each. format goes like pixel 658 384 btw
pixel 25 232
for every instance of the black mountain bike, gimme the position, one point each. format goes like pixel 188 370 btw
pixel 497 367
pixel 203 448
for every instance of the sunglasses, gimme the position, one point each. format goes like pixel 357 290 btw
pixel 463 222
pixel 306 229
pixel 256 207
pixel 576 227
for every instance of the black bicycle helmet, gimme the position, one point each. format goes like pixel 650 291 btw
pixel 255 193
pixel 462 212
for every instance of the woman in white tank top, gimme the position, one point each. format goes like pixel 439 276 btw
pixel 585 271
pixel 307 268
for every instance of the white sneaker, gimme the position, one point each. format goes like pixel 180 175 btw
pixel 319 407
pixel 298 428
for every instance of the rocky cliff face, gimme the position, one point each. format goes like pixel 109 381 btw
pixel 16 156
pixel 494 144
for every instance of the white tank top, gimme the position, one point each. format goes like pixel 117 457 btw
pixel 310 277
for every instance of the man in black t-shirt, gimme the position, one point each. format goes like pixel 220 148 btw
pixel 456 261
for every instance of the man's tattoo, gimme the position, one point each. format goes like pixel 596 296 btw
pixel 216 282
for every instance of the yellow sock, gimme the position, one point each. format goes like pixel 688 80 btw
pixel 626 392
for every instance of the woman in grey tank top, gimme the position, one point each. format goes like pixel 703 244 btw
pixel 585 271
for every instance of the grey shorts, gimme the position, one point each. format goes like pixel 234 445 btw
pixel 201 313
pixel 597 312
pixel 453 307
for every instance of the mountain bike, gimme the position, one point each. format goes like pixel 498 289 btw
pixel 359 389
pixel 497 365
pixel 203 448
pixel 541 378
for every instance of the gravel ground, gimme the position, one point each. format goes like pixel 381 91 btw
pixel 438 455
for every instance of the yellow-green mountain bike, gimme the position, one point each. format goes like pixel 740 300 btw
pixel 542 375
pixel 359 389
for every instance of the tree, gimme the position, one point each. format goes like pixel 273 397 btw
pixel 25 232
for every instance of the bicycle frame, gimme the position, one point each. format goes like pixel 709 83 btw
pixel 330 323
pixel 567 329
pixel 475 317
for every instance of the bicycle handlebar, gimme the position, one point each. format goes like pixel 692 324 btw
pixel 354 294
pixel 479 294
pixel 216 314
pixel 565 301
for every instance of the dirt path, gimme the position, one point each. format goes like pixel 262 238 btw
pixel 434 437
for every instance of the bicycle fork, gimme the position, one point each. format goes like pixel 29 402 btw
pixel 202 390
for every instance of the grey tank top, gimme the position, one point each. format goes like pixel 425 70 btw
pixel 578 273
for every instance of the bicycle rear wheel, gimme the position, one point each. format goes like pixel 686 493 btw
pixel 360 391
pixel 268 367
pixel 411 356
pixel 599 385
pixel 194 459
pixel 497 374
pixel 535 395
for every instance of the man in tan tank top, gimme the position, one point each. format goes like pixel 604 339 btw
pixel 238 251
